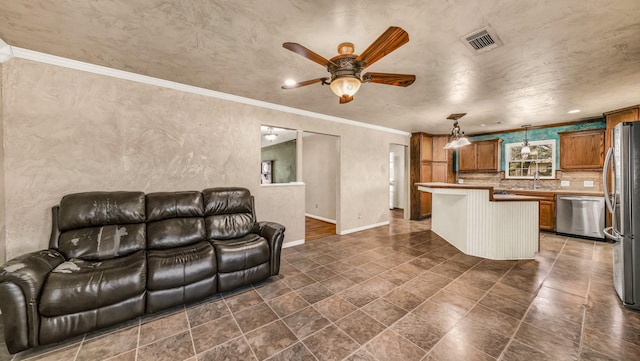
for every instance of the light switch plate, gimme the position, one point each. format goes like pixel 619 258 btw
pixel 564 183
pixel 588 183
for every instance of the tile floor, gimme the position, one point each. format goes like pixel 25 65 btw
pixel 391 293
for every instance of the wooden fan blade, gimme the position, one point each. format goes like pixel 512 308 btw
pixel 389 41
pixel 301 50
pixel 345 98
pixel 303 83
pixel 389 79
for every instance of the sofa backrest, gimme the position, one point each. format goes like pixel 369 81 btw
pixel 101 225
pixel 228 212
pixel 174 219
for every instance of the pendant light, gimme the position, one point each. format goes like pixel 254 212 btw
pixel 457 136
pixel 525 146
pixel 270 135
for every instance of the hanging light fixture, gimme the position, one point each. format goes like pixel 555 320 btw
pixel 270 135
pixel 525 146
pixel 345 78
pixel 457 136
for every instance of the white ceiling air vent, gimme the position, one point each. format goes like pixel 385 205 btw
pixel 482 40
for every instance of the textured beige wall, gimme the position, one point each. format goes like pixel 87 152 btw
pixel 320 174
pixel 70 131
pixel 3 247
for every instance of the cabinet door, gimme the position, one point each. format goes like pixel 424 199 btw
pixel 426 151
pixel 547 216
pixel 425 197
pixel 439 153
pixel 616 117
pixel 467 158
pixel 488 157
pixel 582 150
pixel 440 173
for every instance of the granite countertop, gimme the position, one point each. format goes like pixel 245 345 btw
pixel 554 191
pixel 492 197
pixel 531 193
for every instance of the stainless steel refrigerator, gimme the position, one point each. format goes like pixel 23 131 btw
pixel 622 196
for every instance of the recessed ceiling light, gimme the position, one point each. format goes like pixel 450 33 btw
pixel 573 111
pixel 289 82
pixel 483 125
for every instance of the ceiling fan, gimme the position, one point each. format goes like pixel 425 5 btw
pixel 345 68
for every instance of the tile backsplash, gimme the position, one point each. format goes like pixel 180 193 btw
pixel 575 179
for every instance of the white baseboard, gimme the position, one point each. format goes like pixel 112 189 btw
pixel 363 228
pixel 320 218
pixel 293 243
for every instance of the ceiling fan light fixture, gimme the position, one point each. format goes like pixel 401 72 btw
pixel 345 86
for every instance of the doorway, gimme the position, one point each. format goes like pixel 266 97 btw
pixel 397 176
pixel 320 173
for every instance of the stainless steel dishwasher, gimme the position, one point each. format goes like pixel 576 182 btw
pixel 581 216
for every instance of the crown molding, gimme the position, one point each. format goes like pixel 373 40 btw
pixel 5 51
pixel 120 74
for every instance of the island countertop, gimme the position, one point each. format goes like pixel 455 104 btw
pixel 492 197
pixel 530 192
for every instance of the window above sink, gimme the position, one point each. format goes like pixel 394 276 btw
pixel 541 159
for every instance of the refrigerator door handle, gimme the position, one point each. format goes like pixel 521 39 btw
pixel 610 233
pixel 605 181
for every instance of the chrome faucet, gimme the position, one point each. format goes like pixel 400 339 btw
pixel 536 180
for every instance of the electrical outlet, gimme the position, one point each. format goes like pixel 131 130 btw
pixel 359 215
pixel 564 183
pixel 588 184
pixel 316 205
pixel 461 181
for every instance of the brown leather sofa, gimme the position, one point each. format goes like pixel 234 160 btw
pixel 114 256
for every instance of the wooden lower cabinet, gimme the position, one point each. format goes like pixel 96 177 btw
pixel 547 215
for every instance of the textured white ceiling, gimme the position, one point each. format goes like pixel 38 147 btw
pixel 557 55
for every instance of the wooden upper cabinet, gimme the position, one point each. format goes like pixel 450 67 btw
pixel 482 156
pixel 488 157
pixel 582 149
pixel 426 151
pixel 613 118
pixel 467 158
pixel 439 153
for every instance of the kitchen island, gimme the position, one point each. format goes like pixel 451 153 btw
pixel 483 224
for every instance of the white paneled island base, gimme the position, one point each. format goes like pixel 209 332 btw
pixel 481 224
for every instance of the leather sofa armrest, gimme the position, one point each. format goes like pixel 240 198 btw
pixel 274 234
pixel 27 274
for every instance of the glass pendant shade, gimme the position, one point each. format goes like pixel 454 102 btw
pixel 525 150
pixel 345 85
pixel 463 141
pixel 270 135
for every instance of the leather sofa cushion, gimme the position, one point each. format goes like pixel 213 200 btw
pixel 165 205
pixel 77 285
pixel 242 253
pixel 102 243
pixel 95 209
pixel 180 266
pixel 175 232
pixel 232 280
pixel 229 212
pixel 227 200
